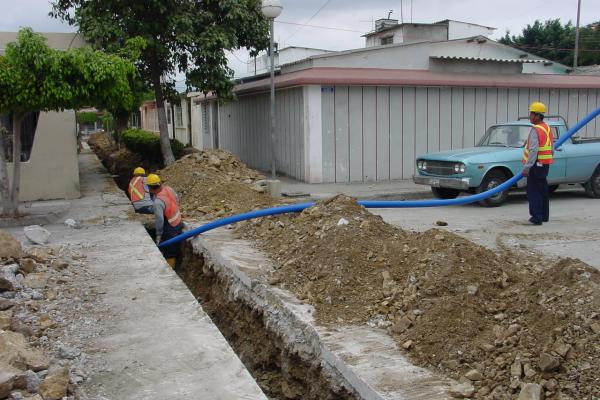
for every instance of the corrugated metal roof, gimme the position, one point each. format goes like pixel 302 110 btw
pixel 506 60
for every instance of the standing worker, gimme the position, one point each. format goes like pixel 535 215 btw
pixel 537 157
pixel 139 193
pixel 167 216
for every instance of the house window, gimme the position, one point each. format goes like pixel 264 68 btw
pixel 387 40
pixel 168 114
pixel 178 116
pixel 28 128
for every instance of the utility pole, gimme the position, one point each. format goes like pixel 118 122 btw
pixel 577 35
pixel 401 12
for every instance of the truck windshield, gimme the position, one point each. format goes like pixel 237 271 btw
pixel 506 135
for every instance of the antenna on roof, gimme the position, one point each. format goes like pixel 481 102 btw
pixel 390 14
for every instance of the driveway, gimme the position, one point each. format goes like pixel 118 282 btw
pixel 573 230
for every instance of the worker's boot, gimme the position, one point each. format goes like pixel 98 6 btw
pixel 172 262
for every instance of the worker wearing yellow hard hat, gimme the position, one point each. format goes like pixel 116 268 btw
pixel 167 216
pixel 138 192
pixel 538 155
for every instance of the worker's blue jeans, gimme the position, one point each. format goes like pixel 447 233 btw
pixel 537 193
pixel 169 232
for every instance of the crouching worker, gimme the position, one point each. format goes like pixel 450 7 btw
pixel 167 217
pixel 139 194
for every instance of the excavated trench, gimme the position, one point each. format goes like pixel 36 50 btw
pixel 280 373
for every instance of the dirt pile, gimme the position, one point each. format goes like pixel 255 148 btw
pixel 500 323
pixel 215 183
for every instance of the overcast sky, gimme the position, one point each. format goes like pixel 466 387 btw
pixel 347 20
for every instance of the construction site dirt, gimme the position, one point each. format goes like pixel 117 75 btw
pixel 500 322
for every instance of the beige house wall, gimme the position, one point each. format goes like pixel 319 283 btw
pixel 52 171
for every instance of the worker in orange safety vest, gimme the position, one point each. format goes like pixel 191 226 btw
pixel 538 155
pixel 167 216
pixel 139 193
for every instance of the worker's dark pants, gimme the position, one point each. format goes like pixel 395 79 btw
pixel 537 193
pixel 171 251
pixel 144 210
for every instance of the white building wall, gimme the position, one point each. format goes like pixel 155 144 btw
pixel 244 129
pixel 459 30
pixel 376 133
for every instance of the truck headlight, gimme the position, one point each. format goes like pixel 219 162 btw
pixel 421 165
pixel 459 168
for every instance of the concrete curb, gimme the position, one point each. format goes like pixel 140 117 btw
pixel 377 370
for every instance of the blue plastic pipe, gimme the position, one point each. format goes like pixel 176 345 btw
pixel 375 203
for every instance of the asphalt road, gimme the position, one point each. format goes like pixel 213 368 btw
pixel 573 230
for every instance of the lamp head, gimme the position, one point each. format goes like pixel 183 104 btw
pixel 271 8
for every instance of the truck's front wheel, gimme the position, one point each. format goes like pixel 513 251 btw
pixel 490 181
pixel 444 193
pixel 592 187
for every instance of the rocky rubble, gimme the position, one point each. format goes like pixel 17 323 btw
pixel 215 183
pixel 34 287
pixel 505 325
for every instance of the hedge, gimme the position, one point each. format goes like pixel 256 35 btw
pixel 87 118
pixel 147 144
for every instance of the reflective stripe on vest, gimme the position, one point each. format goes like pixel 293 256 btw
pixel 172 213
pixel 545 141
pixel 136 189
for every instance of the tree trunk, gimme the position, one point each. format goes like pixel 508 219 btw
pixel 165 143
pixel 4 187
pixel 120 119
pixel 16 180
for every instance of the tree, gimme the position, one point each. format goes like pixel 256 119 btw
pixel 556 42
pixel 35 78
pixel 187 36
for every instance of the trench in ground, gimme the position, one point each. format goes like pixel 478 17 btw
pixel 280 373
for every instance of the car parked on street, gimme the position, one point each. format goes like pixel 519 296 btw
pixel 497 158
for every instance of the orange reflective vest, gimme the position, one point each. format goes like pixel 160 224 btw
pixel 172 213
pixel 136 189
pixel 545 142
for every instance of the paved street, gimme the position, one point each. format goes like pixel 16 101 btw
pixel 573 230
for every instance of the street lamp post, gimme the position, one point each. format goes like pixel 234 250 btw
pixel 271 9
pixel 575 56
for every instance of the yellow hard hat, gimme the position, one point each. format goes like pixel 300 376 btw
pixel 139 171
pixel 537 107
pixel 152 180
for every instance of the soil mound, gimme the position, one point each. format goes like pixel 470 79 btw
pixel 215 183
pixel 496 320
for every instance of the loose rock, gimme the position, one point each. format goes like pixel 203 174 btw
pixel 530 391
pixel 462 391
pixel 54 386
pixel 9 246
pixel 548 363
pixel 36 234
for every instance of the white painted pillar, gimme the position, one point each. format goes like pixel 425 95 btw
pixel 313 134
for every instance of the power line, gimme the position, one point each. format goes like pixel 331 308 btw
pixel 310 19
pixel 317 26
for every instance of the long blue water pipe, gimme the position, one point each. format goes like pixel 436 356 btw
pixel 375 203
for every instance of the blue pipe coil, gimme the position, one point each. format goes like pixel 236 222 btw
pixel 374 203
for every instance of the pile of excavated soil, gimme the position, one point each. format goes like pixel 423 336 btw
pixel 494 321
pixel 215 183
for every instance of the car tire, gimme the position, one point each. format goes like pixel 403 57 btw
pixel 552 188
pixel 490 181
pixel 592 187
pixel 444 193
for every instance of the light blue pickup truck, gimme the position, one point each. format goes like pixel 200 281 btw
pixel 497 158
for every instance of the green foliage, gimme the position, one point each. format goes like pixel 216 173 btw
pixel 147 144
pixel 107 122
pixel 34 77
pixel 87 118
pixel 556 42
pixel 189 36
